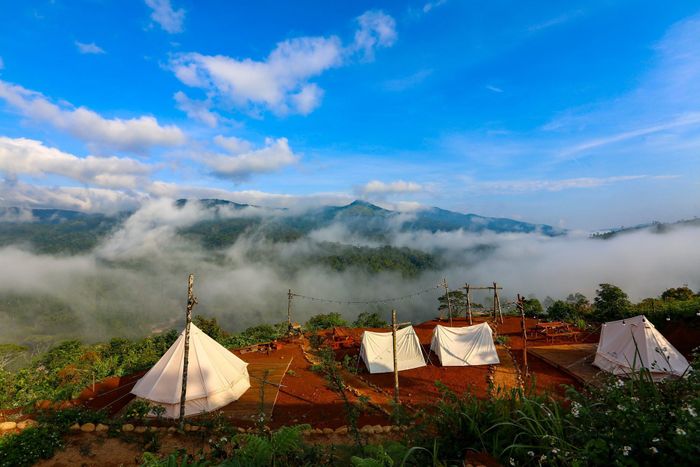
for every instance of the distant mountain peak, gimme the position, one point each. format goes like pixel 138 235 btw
pixel 362 203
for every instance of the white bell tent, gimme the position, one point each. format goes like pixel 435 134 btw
pixel 631 344
pixel 464 346
pixel 215 376
pixel 378 354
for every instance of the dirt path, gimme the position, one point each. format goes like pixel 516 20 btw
pixel 505 375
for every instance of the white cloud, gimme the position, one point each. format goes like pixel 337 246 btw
pixel 29 157
pixel 428 7
pixel 523 186
pixel 254 197
pixel 281 82
pixel 275 155
pixel 232 144
pixel 133 134
pixel 104 200
pixel 407 82
pixel 163 13
pixel 376 187
pixel 91 48
pixel 493 88
pixel 196 110
pixel 689 119
pixel 376 29
pixel 556 21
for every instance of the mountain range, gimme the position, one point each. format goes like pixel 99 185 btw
pixel 65 231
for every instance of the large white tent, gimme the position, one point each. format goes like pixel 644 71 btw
pixel 631 344
pixel 378 354
pixel 215 376
pixel 464 346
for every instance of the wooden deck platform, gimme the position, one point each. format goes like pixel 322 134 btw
pixel 573 359
pixel 247 408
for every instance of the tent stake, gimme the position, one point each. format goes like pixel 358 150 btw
pixel 191 302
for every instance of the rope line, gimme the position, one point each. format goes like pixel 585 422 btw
pixel 365 302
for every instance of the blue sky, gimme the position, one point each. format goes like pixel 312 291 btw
pixel 578 114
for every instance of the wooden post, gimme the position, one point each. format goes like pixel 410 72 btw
pixel 394 325
pixel 289 311
pixel 449 303
pixel 469 304
pixel 191 302
pixel 497 313
pixel 521 307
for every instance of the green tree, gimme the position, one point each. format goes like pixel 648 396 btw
pixel 678 293
pixel 326 321
pixel 210 327
pixel 458 302
pixel 533 307
pixel 562 311
pixel 369 320
pixel 611 303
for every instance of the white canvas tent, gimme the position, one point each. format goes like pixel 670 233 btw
pixel 634 343
pixel 377 351
pixel 464 346
pixel 215 376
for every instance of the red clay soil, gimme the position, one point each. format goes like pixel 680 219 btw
pixel 306 398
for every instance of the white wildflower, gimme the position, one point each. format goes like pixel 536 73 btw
pixel 621 407
pixel 531 454
pixel 619 383
pixel 543 458
pixel 690 410
pixel 653 450
pixel 655 440
pixel 555 451
pixel 626 450
pixel 511 461
pixel 680 431
pixel 575 409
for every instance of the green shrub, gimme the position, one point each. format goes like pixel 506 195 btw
pixel 369 320
pixel 326 321
pixel 29 446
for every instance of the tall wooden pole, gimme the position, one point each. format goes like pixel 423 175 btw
pixel 469 304
pixel 521 307
pixel 449 303
pixel 289 311
pixel 497 314
pixel 191 302
pixel 394 325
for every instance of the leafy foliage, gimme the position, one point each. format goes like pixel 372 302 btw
pixel 29 446
pixel 369 320
pixel 611 303
pixel 326 321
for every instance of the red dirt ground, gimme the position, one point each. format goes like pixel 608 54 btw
pixel 305 397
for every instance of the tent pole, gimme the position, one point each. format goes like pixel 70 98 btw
pixel 469 304
pixel 191 302
pixel 449 303
pixel 396 366
pixel 497 313
pixel 289 312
